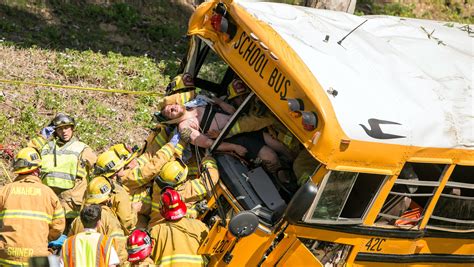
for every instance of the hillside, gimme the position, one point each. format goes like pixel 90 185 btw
pixel 135 46
pixel 118 46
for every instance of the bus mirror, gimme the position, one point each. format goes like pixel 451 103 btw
pixel 300 202
pixel 243 224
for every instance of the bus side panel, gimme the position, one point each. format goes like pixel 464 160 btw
pixel 382 264
pixel 298 255
pixel 247 252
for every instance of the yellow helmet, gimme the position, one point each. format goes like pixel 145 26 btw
pixel 26 160
pixel 124 152
pixel 98 190
pixel 236 88
pixel 172 174
pixel 108 163
pixel 180 83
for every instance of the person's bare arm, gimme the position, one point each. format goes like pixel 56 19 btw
pixel 198 139
pixel 224 106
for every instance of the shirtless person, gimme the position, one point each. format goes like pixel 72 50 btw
pixel 188 121
pixel 251 145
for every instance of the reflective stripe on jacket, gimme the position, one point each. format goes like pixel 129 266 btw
pixel 37 142
pixel 192 190
pixel 110 226
pixel 141 176
pixel 86 249
pixel 30 216
pixel 60 165
pixel 177 243
pixel 142 195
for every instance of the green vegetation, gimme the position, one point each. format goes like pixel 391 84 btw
pixel 449 10
pixel 112 70
pixel 119 46
pixel 119 27
pixel 136 45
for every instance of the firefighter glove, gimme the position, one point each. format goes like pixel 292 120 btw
pixel 47 131
pixel 175 138
pixel 58 242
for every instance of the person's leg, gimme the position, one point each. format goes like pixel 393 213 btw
pixel 277 146
pixel 272 164
pixel 269 159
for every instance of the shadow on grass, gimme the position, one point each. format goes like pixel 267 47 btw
pixel 155 28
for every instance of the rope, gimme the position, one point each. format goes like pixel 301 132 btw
pixel 80 88
pixel 6 173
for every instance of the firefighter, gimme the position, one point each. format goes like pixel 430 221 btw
pixel 30 212
pixel 89 247
pixel 139 181
pixel 139 246
pixel 136 174
pixel 304 166
pixel 181 89
pixel 160 136
pixel 99 192
pixel 177 239
pixel 111 166
pixel 193 190
pixel 67 163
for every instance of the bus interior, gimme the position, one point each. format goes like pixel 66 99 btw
pixel 343 197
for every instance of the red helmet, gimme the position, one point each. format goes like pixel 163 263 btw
pixel 172 205
pixel 138 245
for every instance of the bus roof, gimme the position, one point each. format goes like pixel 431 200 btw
pixel 398 80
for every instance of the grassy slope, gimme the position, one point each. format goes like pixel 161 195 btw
pixel 87 45
pixel 118 46
pixel 461 11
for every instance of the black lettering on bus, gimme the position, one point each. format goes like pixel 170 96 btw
pixel 285 89
pixel 374 244
pixel 271 79
pixel 249 50
pixel 279 81
pixel 237 44
pixel 258 64
pixel 380 243
pixel 263 67
pixel 247 39
pixel 254 56
pixel 220 246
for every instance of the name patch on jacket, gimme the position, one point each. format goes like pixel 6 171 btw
pixel 26 191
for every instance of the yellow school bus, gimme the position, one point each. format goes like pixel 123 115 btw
pixel 382 105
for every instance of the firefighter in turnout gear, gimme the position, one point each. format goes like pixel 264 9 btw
pixel 110 165
pixel 139 175
pixel 89 248
pixel 139 246
pixel 99 191
pixel 192 189
pixel 67 162
pixel 30 212
pixel 177 239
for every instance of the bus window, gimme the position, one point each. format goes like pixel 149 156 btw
pixel 411 194
pixel 455 207
pixel 213 69
pixel 344 197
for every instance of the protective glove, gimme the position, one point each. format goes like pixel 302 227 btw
pixel 175 138
pixel 58 242
pixel 47 131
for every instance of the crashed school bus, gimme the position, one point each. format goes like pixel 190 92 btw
pixel 383 106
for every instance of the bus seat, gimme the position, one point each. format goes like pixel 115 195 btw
pixel 253 189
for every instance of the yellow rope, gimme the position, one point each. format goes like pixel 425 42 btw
pixel 5 171
pixel 80 88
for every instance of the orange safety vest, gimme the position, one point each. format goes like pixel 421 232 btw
pixel 87 249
